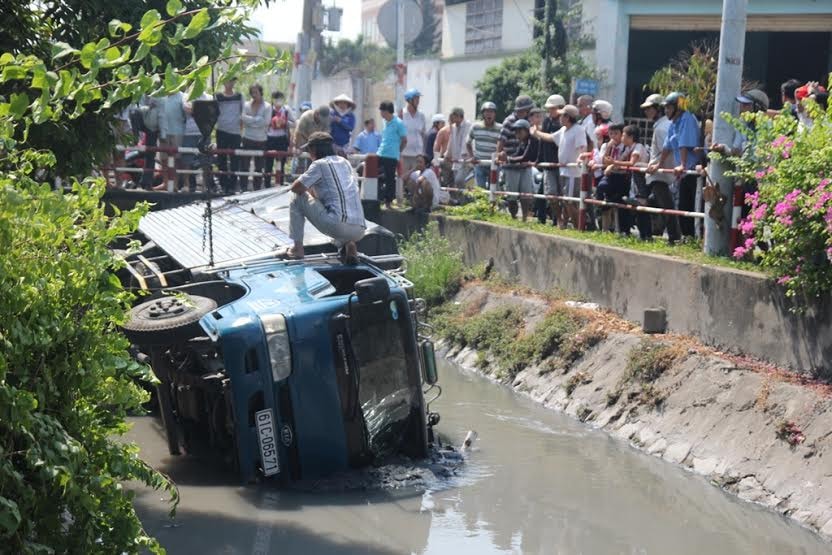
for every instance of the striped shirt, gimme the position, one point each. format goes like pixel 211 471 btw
pixel 335 186
pixel 484 139
pixel 511 145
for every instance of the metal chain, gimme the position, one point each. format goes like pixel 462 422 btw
pixel 208 231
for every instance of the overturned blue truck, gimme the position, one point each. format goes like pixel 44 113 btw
pixel 285 369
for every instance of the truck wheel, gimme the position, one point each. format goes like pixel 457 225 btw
pixel 167 320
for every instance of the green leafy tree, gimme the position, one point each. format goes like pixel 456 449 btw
pixel 33 28
pixel 547 68
pixel 522 74
pixel 66 379
pixel 430 37
pixel 693 72
pixel 373 60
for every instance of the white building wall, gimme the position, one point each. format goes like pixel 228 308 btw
pixel 459 72
pixel 458 78
pixel 453 31
pixel 424 75
pixel 609 24
pixel 518 24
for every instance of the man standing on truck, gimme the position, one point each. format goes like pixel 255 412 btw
pixel 327 195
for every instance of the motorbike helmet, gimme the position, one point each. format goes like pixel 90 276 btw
pixel 756 97
pixel 652 100
pixel 677 99
pixel 411 94
pixel 603 108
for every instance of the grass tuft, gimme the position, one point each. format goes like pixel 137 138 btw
pixel 482 210
pixel 433 265
pixel 650 359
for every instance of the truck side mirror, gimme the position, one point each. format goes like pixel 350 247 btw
pixel 372 290
pixel 429 358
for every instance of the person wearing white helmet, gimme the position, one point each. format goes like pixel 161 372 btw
pixel 437 122
pixel 549 154
pixel 417 128
pixel 659 183
pixel 571 141
pixel 482 142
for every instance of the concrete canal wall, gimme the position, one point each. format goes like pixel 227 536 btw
pixel 729 309
pixel 717 416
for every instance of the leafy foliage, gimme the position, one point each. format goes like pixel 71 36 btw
pixel 45 28
pixel 789 227
pixel 693 72
pixel 373 60
pixel 522 74
pixel 430 37
pixel 548 67
pixel 488 333
pixel 66 379
pixel 433 265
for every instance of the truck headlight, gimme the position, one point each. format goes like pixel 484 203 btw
pixel 277 339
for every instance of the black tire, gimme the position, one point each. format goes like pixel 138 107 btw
pixel 167 320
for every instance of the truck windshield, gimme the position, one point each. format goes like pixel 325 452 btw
pixel 386 357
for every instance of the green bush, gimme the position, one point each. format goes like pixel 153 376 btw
pixel 433 265
pixel 66 379
pixel 789 228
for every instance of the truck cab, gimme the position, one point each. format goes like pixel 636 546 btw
pixel 286 369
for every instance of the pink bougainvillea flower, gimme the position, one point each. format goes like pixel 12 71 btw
pixel 784 280
pixel 747 226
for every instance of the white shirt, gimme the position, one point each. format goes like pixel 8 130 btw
pixel 457 144
pixel 660 129
pixel 571 144
pixel 417 126
pixel 430 177
pixel 588 123
pixel 336 187
pixel 256 122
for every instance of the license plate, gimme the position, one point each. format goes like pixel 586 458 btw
pixel 266 436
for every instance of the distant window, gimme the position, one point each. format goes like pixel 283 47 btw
pixel 483 26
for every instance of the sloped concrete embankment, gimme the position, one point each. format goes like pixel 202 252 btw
pixel 749 429
pixel 729 309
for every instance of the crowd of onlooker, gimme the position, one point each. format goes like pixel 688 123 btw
pixel 540 150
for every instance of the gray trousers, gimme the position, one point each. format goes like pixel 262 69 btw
pixel 304 207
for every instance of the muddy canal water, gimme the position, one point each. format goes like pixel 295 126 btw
pixel 537 482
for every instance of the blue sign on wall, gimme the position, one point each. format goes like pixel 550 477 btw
pixel 586 86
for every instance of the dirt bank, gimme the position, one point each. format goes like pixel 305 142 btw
pixel 760 433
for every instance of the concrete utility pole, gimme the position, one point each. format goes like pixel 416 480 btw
pixel 729 81
pixel 401 68
pixel 307 48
